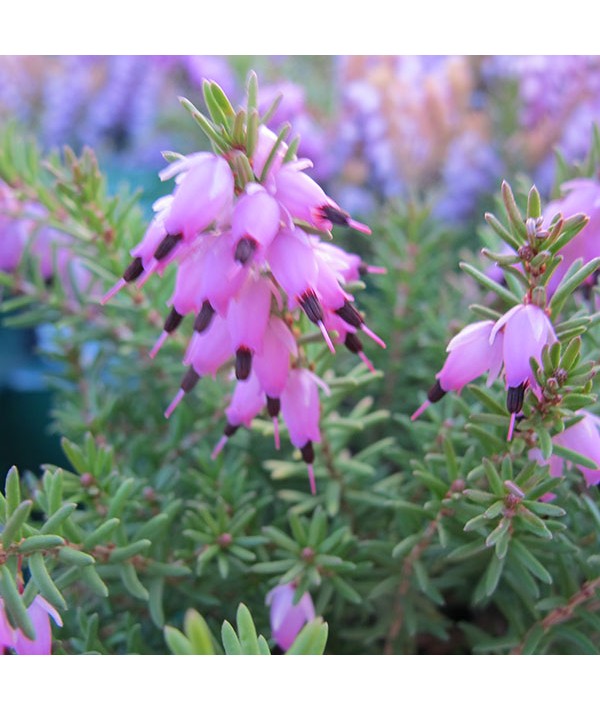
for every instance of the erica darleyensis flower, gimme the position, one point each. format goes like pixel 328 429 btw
pixel 248 232
pixel 584 438
pixel 40 612
pixel 287 619
pixel 487 346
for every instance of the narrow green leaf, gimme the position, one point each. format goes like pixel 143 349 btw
pixel 514 214
pixel 176 641
pixel 231 643
pixel 40 542
pixel 312 639
pixel 55 522
pixel 12 489
pixel 90 577
pixel 132 583
pixel 101 534
pixel 41 577
pixel 12 527
pixel 13 603
pixel 72 556
pixel 246 630
pixel 198 633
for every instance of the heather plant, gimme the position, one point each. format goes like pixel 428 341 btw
pixel 469 527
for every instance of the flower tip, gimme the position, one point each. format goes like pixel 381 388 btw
pixel 373 336
pixel 366 361
pixel 176 400
pixel 311 478
pixel 147 273
pixel 326 336
pixel 511 426
pixel 112 291
pixel 372 269
pixel 359 227
pixel 420 410
pixel 159 343
pixel 217 450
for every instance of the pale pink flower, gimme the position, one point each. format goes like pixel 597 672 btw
pixel 254 223
pixel 305 200
pixel 247 320
pixel 471 353
pixel 247 401
pixel 584 438
pixel 40 612
pixel 272 366
pixel 301 412
pixel 287 618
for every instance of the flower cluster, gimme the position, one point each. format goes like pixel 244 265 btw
pixel 248 231
pixel 488 346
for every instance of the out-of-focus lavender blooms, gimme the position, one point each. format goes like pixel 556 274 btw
pixel 40 611
pixel 410 123
pixel 584 438
pixel 116 103
pixel 246 268
pixel 287 619
pixel 558 101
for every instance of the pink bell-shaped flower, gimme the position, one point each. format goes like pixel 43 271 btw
pixel 301 411
pixel 305 200
pixel 254 223
pixel 203 196
pixel 584 438
pixel 294 265
pixel 471 353
pixel 247 320
pixel 264 147
pixel 247 401
pixel 40 612
pixel 272 366
pixel 287 619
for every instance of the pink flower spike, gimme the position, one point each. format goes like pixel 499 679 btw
pixel 112 291
pixel 311 479
pixel 420 410
pixel 176 400
pixel 511 426
pixel 321 326
pixel 359 227
pixel 219 448
pixel 373 336
pixel 159 343
pixel 366 361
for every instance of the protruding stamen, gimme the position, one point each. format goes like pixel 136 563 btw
pixel 511 426
pixel 366 361
pixel 204 318
pixel 371 269
pixel 243 363
pixel 112 291
pixel 148 272
pixel 176 400
pixel 420 410
pixel 159 343
pixel 220 444
pixel 326 336
pixel 276 432
pixel 311 479
pixel 359 227
pixel 373 336
pixel 167 245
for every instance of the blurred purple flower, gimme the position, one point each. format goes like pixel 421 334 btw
pixel 287 619
pixel 40 612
